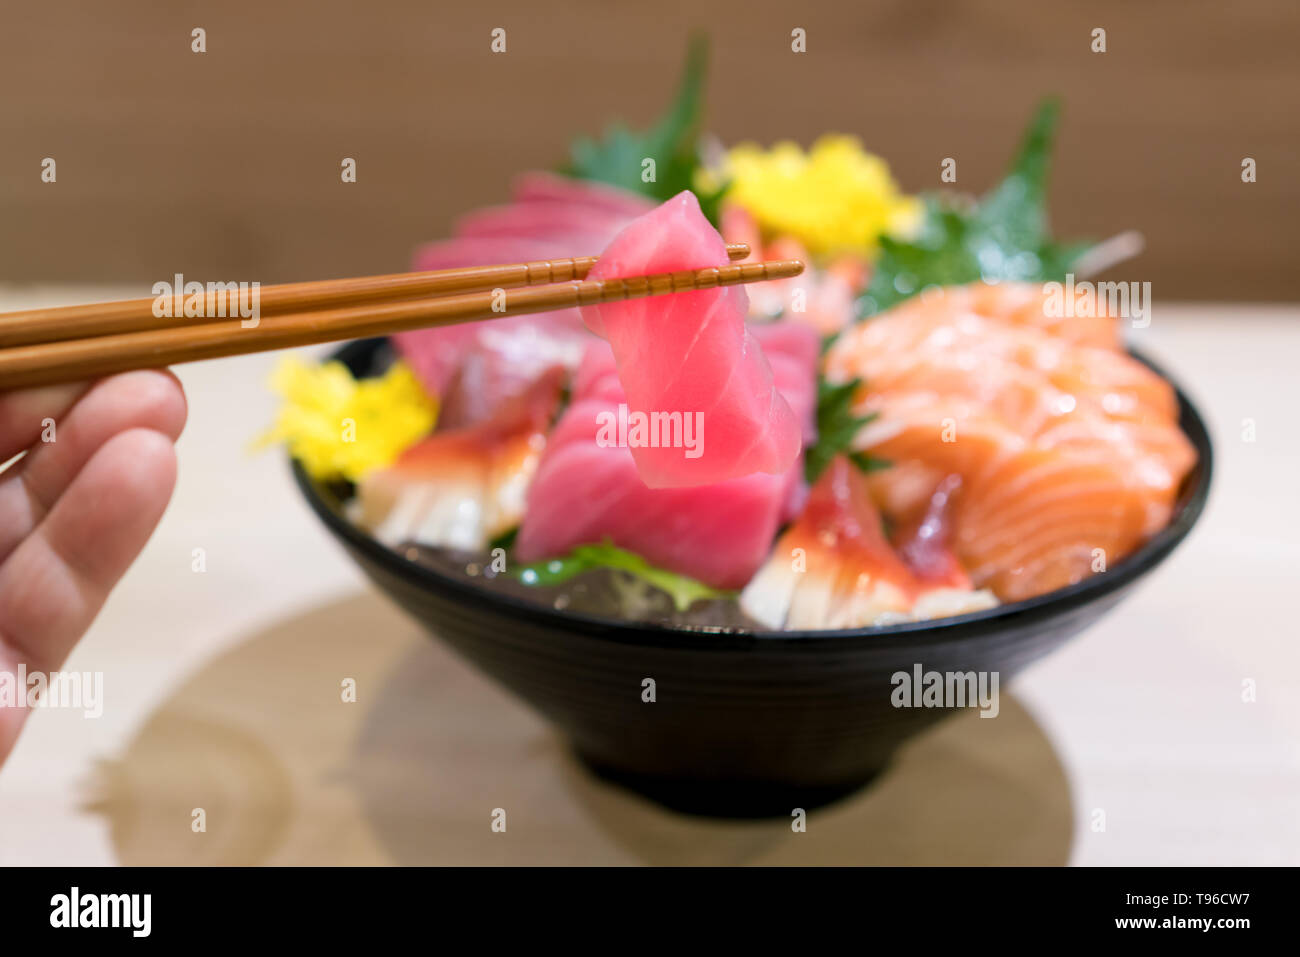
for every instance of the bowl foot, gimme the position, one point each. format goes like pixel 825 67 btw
pixel 723 799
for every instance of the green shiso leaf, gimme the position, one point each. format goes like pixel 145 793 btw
pixel 837 426
pixel 867 462
pixel 1002 236
pixel 555 571
pixel 673 143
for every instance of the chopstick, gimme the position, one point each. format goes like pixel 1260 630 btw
pixel 136 315
pixel 69 360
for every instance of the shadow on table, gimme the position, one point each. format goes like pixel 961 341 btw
pixel 261 748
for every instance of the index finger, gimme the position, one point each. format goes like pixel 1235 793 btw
pixel 26 413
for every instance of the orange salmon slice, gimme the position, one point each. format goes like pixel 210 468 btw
pixel 1067 449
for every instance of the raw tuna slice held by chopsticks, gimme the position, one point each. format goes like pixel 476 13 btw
pixel 691 355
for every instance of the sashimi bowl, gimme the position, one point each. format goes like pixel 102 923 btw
pixel 734 721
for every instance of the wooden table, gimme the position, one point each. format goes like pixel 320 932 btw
pixel 222 691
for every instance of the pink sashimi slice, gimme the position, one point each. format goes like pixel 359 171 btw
pixel 692 354
pixel 538 185
pixel 543 219
pixel 792 349
pixel 475 367
pixel 586 492
pixel 483 251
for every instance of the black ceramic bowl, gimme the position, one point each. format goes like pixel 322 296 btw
pixel 743 723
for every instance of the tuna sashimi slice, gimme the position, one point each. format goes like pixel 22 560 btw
pixel 692 354
pixel 587 492
pixel 474 367
pixel 542 219
pixel 792 349
pixel 539 185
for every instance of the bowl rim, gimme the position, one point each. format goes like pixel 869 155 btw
pixel 1055 604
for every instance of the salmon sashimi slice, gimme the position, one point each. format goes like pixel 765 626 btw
pixel 1155 455
pixel 1042 519
pixel 691 355
pixel 463 487
pixel 1114 384
pixel 962 320
pixel 834 568
pixel 586 492
pixel 1067 450
pixel 948 434
pixel 1028 305
pixel 1027 374
pixel 1135 470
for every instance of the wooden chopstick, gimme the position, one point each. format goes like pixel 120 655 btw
pixel 136 315
pixel 71 360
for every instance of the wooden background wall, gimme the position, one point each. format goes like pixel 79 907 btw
pixel 225 165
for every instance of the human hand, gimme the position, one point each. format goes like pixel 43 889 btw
pixel 76 510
